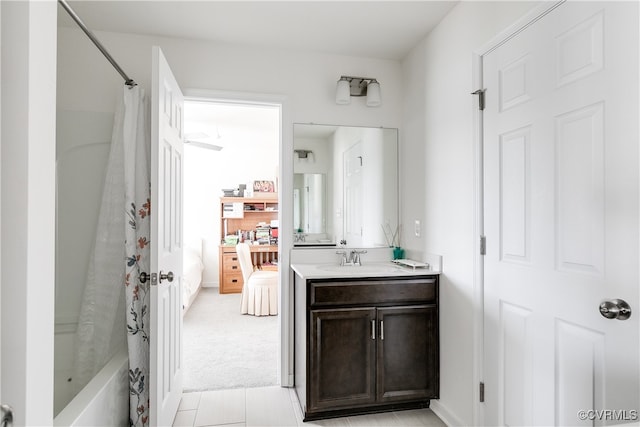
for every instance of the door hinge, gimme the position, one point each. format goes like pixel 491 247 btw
pixel 483 245
pixel 481 392
pixel 480 93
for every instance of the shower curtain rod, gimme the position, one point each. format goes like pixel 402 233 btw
pixel 128 81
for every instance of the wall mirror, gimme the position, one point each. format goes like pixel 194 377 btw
pixel 345 185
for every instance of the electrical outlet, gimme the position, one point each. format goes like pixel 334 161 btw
pixel 416 228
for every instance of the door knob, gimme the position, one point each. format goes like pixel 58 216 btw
pixel 144 277
pixel 615 309
pixel 168 276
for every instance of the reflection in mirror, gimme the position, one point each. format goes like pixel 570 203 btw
pixel 309 205
pixel 359 168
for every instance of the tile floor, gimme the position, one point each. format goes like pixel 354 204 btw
pixel 277 406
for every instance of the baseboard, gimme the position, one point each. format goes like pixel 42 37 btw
pixel 210 284
pixel 445 414
pixel 289 379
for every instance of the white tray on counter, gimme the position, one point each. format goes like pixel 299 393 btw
pixel 410 263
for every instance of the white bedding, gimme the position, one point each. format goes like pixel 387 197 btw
pixel 191 273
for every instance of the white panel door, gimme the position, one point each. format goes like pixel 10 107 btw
pixel 561 219
pixel 353 195
pixel 166 243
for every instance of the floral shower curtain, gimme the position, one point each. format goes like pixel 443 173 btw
pixel 137 196
pixel 120 254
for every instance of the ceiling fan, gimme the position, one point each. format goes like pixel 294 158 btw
pixel 194 139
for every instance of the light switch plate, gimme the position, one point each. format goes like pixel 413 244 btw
pixel 416 228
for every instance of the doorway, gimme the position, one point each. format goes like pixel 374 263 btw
pixel 229 145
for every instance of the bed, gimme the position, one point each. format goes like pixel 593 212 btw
pixel 192 269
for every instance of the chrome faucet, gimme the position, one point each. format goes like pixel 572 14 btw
pixel 355 256
pixel 350 258
pixel 343 258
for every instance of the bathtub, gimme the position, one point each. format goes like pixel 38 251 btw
pixel 104 401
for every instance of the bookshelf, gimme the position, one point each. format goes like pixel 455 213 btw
pixel 248 219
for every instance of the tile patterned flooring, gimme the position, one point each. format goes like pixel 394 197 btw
pixel 277 406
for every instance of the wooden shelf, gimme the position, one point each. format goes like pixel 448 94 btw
pixel 264 210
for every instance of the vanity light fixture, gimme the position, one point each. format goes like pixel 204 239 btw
pixel 303 154
pixel 349 86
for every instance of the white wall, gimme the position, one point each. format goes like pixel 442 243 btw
pixel 27 208
pixel 437 180
pixel 88 83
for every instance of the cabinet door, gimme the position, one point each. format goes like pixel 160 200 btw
pixel 408 354
pixel 342 358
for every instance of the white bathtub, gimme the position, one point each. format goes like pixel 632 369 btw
pixel 102 402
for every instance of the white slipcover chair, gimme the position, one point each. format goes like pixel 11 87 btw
pixel 260 289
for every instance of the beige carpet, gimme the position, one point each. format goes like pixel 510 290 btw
pixel 224 349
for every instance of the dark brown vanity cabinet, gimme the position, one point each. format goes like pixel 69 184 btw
pixel 342 358
pixel 366 345
pixel 407 363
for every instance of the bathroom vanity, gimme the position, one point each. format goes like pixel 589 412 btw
pixel 366 339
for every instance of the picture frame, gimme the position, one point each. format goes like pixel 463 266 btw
pixel 264 186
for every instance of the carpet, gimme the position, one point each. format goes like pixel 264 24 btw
pixel 223 349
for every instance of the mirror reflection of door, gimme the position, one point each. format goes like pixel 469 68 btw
pixel 353 194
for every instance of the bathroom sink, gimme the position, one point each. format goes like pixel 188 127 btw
pixel 350 270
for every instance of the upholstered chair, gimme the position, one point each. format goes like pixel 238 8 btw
pixel 260 289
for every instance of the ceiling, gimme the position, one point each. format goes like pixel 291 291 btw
pixel 375 29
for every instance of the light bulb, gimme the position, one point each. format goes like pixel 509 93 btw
pixel 373 94
pixel 343 91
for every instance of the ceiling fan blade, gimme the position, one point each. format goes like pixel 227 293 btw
pixel 204 145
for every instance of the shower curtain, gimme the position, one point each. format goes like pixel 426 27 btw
pixel 120 254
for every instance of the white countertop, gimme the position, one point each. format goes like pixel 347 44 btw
pixel 374 269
